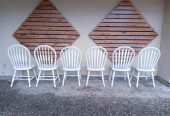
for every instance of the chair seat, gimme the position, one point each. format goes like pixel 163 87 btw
pixel 145 70
pixel 71 69
pixel 48 67
pixel 96 69
pixel 25 68
pixel 121 68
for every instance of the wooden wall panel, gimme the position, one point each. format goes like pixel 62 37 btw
pixel 124 25
pixel 46 25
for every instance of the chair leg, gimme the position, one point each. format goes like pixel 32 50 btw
pixel 113 77
pixel 103 78
pixel 132 75
pixel 110 76
pixel 29 80
pixel 137 83
pixel 39 75
pixel 13 78
pixel 78 75
pixel 88 78
pixel 65 73
pixel 58 75
pixel 35 73
pixel 153 79
pixel 128 78
pixel 54 79
pixel 125 75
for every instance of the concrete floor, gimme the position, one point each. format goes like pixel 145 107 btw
pixel 94 100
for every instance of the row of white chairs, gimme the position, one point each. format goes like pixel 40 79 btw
pixel 46 59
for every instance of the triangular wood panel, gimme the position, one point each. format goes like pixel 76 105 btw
pixel 123 26
pixel 46 25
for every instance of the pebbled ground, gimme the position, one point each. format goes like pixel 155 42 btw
pixel 94 100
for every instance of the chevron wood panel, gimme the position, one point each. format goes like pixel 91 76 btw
pixel 124 25
pixel 46 25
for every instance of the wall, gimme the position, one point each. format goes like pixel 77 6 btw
pixel 83 14
pixel 164 64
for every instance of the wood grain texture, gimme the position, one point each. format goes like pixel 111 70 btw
pixel 46 26
pixel 123 26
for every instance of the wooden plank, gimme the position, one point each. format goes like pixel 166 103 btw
pixel 46 8
pixel 123 25
pixel 123 29
pixel 50 20
pixel 45 36
pixel 46 28
pixel 50 44
pixel 124 33
pixel 125 3
pixel 124 20
pixel 46 12
pixel 46 24
pixel 46 16
pixel 45 41
pixel 47 32
pixel 118 16
pixel 127 8
pixel 121 41
pixel 122 37
pixel 119 45
pixel 122 12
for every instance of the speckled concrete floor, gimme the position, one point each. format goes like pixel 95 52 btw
pixel 94 100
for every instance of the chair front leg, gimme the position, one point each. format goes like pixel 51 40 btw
pixel 132 74
pixel 137 83
pixel 39 76
pixel 153 79
pixel 78 75
pixel 110 76
pixel 103 78
pixel 125 75
pixel 54 79
pixel 29 80
pixel 13 78
pixel 64 77
pixel 128 78
pixel 35 73
pixel 113 77
pixel 88 75
pixel 58 75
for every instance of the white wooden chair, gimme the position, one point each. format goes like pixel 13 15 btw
pixel 122 58
pixel 96 59
pixel 71 59
pixel 146 62
pixel 46 57
pixel 20 58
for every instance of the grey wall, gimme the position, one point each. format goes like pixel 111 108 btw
pixel 164 64
pixel 83 14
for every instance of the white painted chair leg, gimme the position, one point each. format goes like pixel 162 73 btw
pixel 78 75
pixel 125 75
pixel 35 73
pixel 88 75
pixel 153 79
pixel 132 75
pixel 29 80
pixel 58 75
pixel 137 83
pixel 13 78
pixel 128 77
pixel 103 78
pixel 113 77
pixel 110 76
pixel 64 77
pixel 39 75
pixel 54 79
